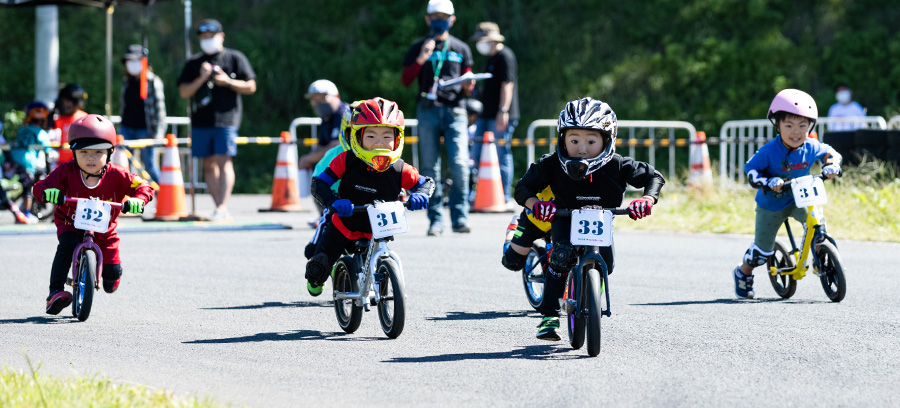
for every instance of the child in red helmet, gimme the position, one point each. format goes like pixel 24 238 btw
pixel 371 171
pixel 89 175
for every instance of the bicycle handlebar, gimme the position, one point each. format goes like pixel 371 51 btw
pixel 564 212
pixel 765 188
pixel 74 200
pixel 362 208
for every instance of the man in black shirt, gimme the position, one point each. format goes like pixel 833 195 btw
pixel 500 97
pixel 214 80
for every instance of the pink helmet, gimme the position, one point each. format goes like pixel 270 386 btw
pixel 794 101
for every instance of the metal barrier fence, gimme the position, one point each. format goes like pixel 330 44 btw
pixel 410 136
pixel 894 122
pixel 631 128
pixel 740 139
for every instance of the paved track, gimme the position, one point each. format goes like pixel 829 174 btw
pixel 225 314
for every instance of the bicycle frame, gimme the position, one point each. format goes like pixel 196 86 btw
pixel 88 244
pixel 376 250
pixel 815 216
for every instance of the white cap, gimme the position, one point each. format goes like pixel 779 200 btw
pixel 440 6
pixel 322 86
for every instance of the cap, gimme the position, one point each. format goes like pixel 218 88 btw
pixel 134 53
pixel 440 6
pixel 322 86
pixel 72 92
pixel 209 25
pixel 487 31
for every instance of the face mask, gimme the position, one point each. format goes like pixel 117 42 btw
pixel 324 109
pixel 212 45
pixel 843 97
pixel 133 68
pixel 484 47
pixel 439 26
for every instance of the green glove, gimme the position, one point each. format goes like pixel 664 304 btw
pixel 51 195
pixel 133 205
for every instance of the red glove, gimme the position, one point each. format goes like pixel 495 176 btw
pixel 544 211
pixel 640 208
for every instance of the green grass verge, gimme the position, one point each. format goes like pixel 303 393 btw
pixel 861 206
pixel 35 390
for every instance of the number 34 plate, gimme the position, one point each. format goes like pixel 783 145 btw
pixel 591 227
pixel 388 219
pixel 92 215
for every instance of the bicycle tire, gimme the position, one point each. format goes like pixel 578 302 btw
pixel 574 323
pixel 534 291
pixel 83 286
pixel 594 288
pixel 392 306
pixel 832 273
pixel 784 285
pixel 344 279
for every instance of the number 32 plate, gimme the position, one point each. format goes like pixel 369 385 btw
pixel 591 227
pixel 388 219
pixel 92 215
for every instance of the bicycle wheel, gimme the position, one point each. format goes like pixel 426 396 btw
pixel 533 276
pixel 574 322
pixel 832 273
pixel 83 286
pixel 784 285
pixel 392 307
pixel 594 288
pixel 345 279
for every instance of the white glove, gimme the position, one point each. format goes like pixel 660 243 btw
pixel 775 182
pixel 831 169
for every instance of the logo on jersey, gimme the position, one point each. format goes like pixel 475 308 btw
pixel 585 198
pixel 366 189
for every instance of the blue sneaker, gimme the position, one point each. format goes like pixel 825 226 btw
pixel 743 284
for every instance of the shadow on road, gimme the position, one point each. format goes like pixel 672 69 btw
pixel 735 302
pixel 485 315
pixel 542 352
pixel 264 305
pixel 39 320
pixel 288 336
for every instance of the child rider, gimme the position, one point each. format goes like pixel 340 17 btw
pixel 89 175
pixel 371 171
pixel 586 147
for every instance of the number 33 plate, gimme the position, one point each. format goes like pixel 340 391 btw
pixel 591 228
pixel 387 219
pixel 92 215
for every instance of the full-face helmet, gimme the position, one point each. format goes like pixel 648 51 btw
pixel 586 113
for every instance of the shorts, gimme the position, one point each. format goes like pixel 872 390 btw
pixel 209 141
pixel 527 232
pixel 769 222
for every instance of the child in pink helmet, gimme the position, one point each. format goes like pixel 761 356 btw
pixel 787 156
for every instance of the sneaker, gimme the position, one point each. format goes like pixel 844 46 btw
pixel 461 228
pixel 743 284
pixel 435 230
pixel 21 218
pixel 221 216
pixel 57 301
pixel 110 286
pixel 547 329
pixel 313 289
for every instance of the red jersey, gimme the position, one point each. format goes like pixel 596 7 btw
pixel 115 184
pixel 63 123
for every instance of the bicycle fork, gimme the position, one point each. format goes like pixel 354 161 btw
pixel 579 274
pixel 87 244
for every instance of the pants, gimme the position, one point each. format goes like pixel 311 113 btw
pixel 62 262
pixel 504 152
pixel 147 157
pixel 555 286
pixel 451 122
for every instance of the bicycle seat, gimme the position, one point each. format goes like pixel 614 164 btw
pixel 361 245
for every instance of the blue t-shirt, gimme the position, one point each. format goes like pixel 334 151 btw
pixel 26 157
pixel 775 160
pixel 326 160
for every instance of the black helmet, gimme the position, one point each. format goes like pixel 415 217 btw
pixel 474 106
pixel 586 113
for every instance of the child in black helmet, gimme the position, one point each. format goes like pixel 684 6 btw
pixel 584 171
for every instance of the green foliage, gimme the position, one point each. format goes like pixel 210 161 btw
pixel 12 120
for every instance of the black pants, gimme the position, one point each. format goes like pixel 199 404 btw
pixel 62 262
pixel 554 287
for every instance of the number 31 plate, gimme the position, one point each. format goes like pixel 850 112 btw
pixel 92 215
pixel 591 228
pixel 388 219
pixel 808 190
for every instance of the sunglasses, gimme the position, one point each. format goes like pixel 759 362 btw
pixel 208 28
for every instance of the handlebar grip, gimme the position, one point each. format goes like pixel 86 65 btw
pixel 620 211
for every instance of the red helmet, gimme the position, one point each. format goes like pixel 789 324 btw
pixel 92 131
pixel 377 112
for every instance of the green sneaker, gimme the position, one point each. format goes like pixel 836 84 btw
pixel 547 329
pixel 314 290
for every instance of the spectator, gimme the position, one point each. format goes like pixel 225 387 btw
pixel 69 108
pixel 326 102
pixel 143 114
pixel 29 161
pixel 440 111
pixel 500 96
pixel 215 80
pixel 845 107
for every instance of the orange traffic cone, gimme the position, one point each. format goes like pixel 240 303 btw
pixel 170 200
pixel 489 191
pixel 285 190
pixel 701 173
pixel 120 155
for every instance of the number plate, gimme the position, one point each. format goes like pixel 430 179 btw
pixel 808 190
pixel 388 219
pixel 591 228
pixel 92 215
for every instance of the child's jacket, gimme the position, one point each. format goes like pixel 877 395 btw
pixel 774 159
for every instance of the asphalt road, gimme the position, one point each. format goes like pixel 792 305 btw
pixel 225 314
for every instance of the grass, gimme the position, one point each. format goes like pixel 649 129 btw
pixel 861 206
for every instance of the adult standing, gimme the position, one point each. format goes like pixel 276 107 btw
pixel 69 108
pixel 845 107
pixel 500 97
pixel 440 111
pixel 214 80
pixel 326 102
pixel 142 106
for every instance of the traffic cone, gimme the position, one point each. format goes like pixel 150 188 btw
pixel 285 190
pixel 120 154
pixel 170 200
pixel 701 173
pixel 489 191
